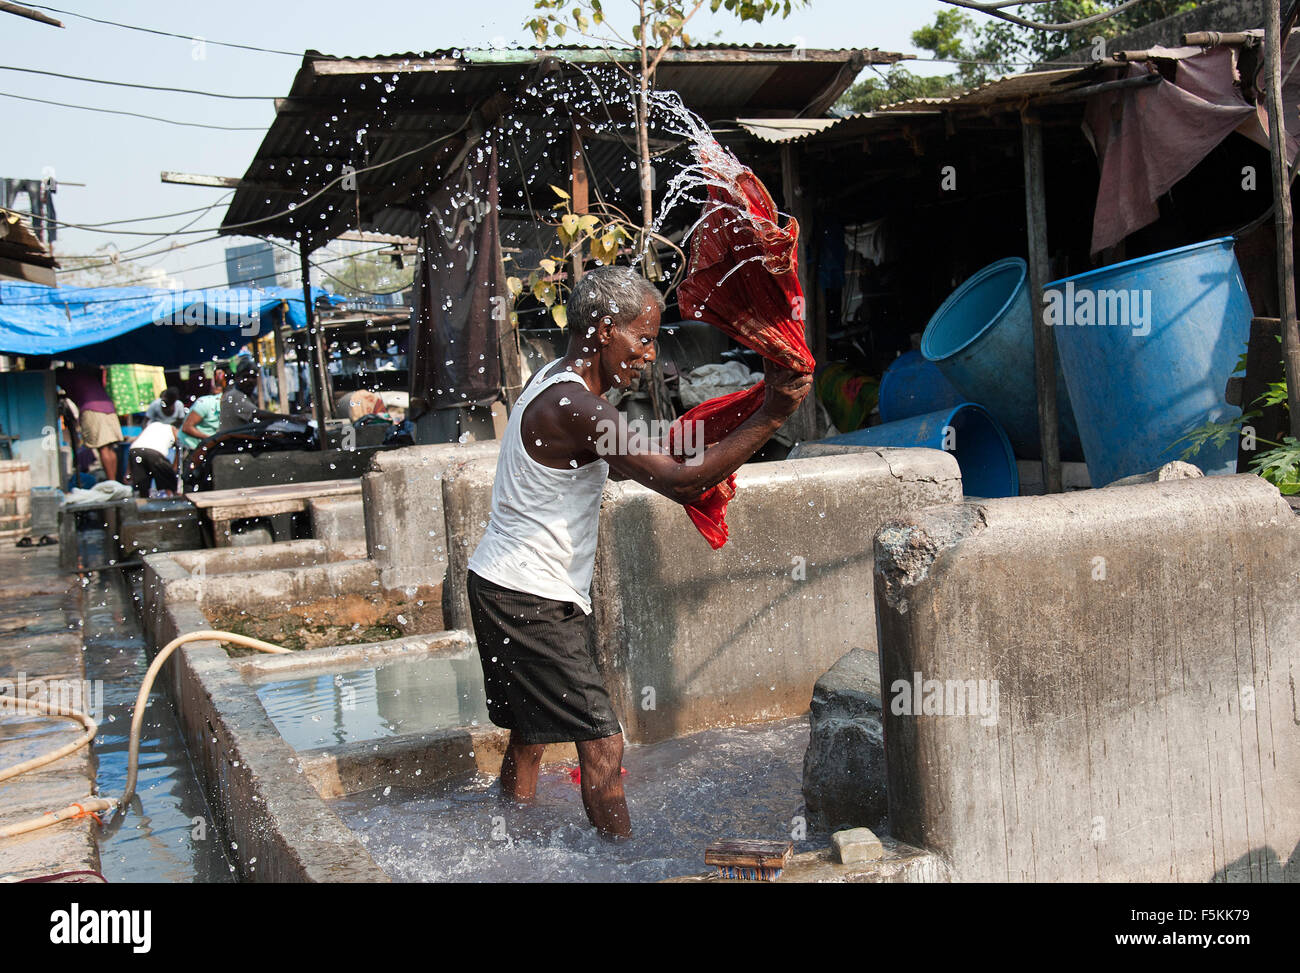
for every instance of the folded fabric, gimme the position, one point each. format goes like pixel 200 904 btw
pixel 102 492
pixel 743 280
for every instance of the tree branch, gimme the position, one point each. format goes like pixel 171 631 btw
pixel 996 10
pixel 659 56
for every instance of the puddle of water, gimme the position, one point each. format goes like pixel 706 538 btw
pixel 168 834
pixel 410 696
pixel 742 782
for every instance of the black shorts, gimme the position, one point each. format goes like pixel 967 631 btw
pixel 148 465
pixel 540 677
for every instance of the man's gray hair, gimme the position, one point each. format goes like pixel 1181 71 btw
pixel 619 292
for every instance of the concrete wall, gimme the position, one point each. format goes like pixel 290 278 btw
pixel 1143 643
pixel 406 532
pixel 339 522
pixel 735 635
pixel 263 803
pixel 234 470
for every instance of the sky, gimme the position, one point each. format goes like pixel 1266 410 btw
pixel 120 158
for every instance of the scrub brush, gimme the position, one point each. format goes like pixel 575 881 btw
pixel 749 859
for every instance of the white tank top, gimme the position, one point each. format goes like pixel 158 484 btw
pixel 541 537
pixel 158 436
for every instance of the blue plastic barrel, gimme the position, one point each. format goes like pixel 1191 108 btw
pixel 982 339
pixel 988 465
pixel 912 386
pixel 1176 323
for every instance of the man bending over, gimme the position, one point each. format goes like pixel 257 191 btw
pixel 529 579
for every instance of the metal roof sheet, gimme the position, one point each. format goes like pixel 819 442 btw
pixel 384 115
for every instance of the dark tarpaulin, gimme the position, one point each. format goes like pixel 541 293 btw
pixel 460 289
pixel 1149 138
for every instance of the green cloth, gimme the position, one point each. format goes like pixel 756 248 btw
pixel 848 395
pixel 133 387
pixel 209 409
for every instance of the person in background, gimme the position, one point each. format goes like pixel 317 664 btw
pixel 154 459
pixel 96 414
pixel 237 407
pixel 204 418
pixel 168 407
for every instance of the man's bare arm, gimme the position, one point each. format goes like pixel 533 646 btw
pixel 564 433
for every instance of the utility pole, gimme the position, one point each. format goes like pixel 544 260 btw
pixel 1274 40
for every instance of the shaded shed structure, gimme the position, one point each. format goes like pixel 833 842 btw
pixel 369 144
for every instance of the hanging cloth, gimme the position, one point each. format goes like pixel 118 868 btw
pixel 743 280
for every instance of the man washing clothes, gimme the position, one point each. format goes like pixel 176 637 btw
pixel 529 579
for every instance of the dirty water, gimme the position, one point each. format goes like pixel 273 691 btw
pixel 742 782
pixel 168 834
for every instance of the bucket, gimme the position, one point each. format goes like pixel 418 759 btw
pixel 912 386
pixel 982 339
pixel 15 498
pixel 988 465
pixel 1159 370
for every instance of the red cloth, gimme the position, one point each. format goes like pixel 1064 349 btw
pixel 743 280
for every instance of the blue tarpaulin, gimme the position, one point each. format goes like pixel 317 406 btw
pixel 142 325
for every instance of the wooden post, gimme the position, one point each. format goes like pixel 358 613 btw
pixel 319 381
pixel 1282 219
pixel 578 191
pixel 261 387
pixel 280 383
pixel 1044 339
pixel 803 424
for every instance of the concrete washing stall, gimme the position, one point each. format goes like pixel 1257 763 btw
pixel 689 638
pixel 1141 648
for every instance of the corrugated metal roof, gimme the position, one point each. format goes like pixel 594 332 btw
pixel 784 129
pixel 1006 92
pixel 387 112
pixel 1013 88
pixel 807 129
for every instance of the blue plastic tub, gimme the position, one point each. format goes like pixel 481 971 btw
pixel 912 386
pixel 988 465
pixel 982 339
pixel 1159 368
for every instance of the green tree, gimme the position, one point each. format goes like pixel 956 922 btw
pixel 982 47
pixel 887 88
pixel 655 27
pixel 364 275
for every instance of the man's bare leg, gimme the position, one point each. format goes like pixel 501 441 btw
pixel 602 785
pixel 519 769
pixel 108 457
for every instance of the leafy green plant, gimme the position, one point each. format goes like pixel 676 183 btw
pixel 579 236
pixel 1279 465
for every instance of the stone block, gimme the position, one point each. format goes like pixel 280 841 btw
pixel 844 767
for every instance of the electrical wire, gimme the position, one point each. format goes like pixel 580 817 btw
pixel 143 87
pixel 226 228
pixel 160 216
pixel 215 263
pixel 164 33
pixel 347 284
pixel 141 256
pixel 133 114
